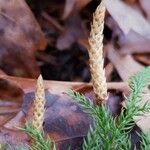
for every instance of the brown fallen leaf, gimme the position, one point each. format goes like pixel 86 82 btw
pixel 132 38
pixel 10 97
pixel 125 64
pixel 66 119
pixel 58 87
pixel 134 43
pixel 20 37
pixel 129 43
pixel 62 117
pixel 10 91
pixel 19 26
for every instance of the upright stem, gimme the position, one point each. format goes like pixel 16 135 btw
pixel 39 102
pixel 96 55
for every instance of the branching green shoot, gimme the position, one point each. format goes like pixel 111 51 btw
pixel 107 132
pixel 40 142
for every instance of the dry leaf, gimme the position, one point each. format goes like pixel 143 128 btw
pixel 10 91
pixel 136 47
pixel 145 4
pixel 18 25
pixel 131 21
pixel 131 42
pixel 20 37
pixel 125 65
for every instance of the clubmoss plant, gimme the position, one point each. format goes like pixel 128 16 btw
pixel 95 51
pixel 145 141
pixel 39 103
pixel 35 128
pixel 112 133
pixel 38 138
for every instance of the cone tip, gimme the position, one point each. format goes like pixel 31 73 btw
pixel 40 78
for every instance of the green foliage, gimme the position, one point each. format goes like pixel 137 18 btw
pixel 104 134
pixel 107 132
pixel 137 85
pixel 145 141
pixel 40 143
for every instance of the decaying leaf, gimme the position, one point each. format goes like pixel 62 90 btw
pixel 18 25
pixel 10 91
pixel 125 65
pixel 20 36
